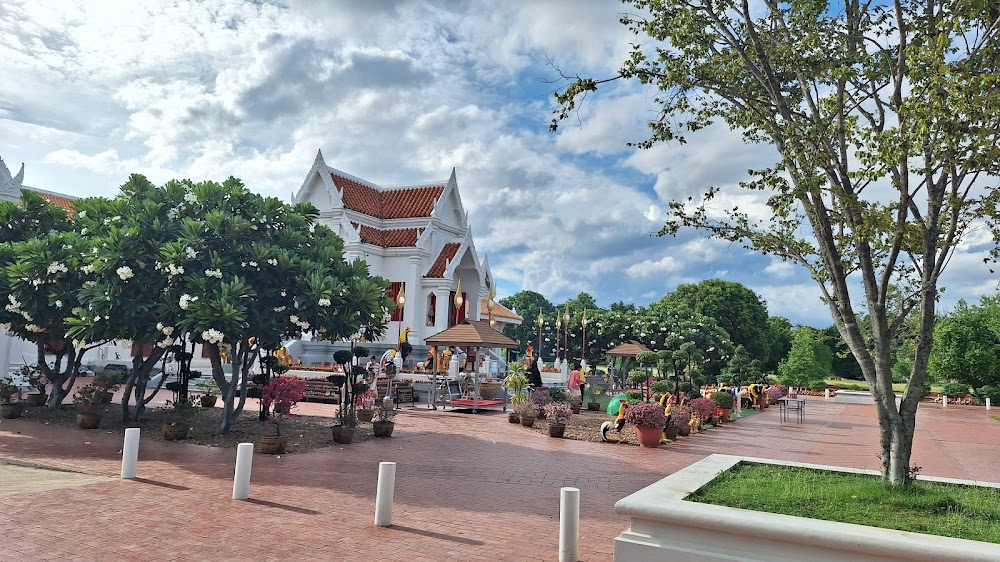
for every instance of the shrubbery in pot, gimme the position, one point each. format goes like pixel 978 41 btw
pixel 704 407
pixel 383 421
pixel 649 421
pixel 282 395
pixel 88 397
pixel 10 396
pixel 527 412
pixel 557 414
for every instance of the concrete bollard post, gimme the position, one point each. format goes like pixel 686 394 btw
pixel 241 479
pixel 944 401
pixel 130 453
pixel 569 524
pixel 826 394
pixel 988 404
pixel 384 492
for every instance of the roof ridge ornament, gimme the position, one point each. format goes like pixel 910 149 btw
pixel 8 182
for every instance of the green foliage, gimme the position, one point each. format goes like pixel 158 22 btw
pixel 734 307
pixel 647 358
pixel 969 512
pixel 779 342
pixel 558 395
pixel 638 377
pixel 990 391
pixel 360 351
pixel 742 369
pixel 661 387
pixel 955 390
pixel 342 356
pixel 967 344
pixel 633 397
pixel 527 304
pixel 808 362
pixel 723 400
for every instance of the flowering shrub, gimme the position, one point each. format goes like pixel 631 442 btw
pixel 646 415
pixel 723 399
pixel 541 397
pixel 704 407
pixel 526 409
pixel 283 393
pixel 777 391
pixel 365 400
pixel 557 412
pixel 680 416
pixel 89 396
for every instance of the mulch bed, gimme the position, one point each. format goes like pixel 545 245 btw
pixel 306 433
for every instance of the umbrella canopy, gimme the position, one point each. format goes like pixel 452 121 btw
pixel 628 349
pixel 476 333
pixel 612 409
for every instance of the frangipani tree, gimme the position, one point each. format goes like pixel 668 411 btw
pixel 41 275
pixel 252 271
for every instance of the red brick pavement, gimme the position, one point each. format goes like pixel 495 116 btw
pixel 469 487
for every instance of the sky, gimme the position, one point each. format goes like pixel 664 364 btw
pixel 397 92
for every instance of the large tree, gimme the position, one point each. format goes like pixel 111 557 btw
pixel 735 308
pixel 967 344
pixel 884 117
pixel 527 304
pixel 808 362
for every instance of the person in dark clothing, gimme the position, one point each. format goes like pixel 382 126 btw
pixel 534 375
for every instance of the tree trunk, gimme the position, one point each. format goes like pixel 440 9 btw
pixel 137 379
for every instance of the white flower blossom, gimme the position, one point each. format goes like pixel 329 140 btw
pixel 89 268
pixel 253 264
pixel 34 328
pixel 191 253
pixel 293 319
pixel 325 302
pixel 272 261
pixel 76 311
pixel 83 231
pixel 27 316
pixel 5 326
pixel 186 301
pixel 171 214
pixel 82 214
pixel 213 273
pixel 212 336
pixel 279 308
pixel 58 304
pixel 190 197
pixel 283 293
pixel 167 330
pixel 173 270
pixel 57 267
pixel 125 273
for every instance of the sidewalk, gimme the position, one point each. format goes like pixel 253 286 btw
pixel 468 487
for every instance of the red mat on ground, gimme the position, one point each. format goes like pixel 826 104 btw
pixel 468 402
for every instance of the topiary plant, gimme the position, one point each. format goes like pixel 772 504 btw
pixel 661 387
pixel 558 395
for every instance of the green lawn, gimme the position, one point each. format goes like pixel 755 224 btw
pixel 996 418
pixel 863 385
pixel 922 507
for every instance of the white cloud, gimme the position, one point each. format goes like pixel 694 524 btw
pixel 645 268
pixel 106 162
pixel 779 269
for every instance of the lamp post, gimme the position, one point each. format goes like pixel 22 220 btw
pixel 458 300
pixel 583 353
pixel 558 330
pixel 400 301
pixel 540 322
pixel 566 323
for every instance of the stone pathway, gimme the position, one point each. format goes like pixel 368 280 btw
pixel 469 487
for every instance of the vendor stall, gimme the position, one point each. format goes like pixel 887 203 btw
pixel 452 387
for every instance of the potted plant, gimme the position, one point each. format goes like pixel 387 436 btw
pixel 557 395
pixel 35 378
pixel 776 391
pixel 526 412
pixel 541 398
pixel 88 397
pixel 364 404
pixel 282 395
pixel 557 414
pixel 10 399
pixel 680 417
pixel 106 386
pixel 574 401
pixel 724 403
pixel 209 396
pixel 383 423
pixel 649 421
pixel 517 384
pixel 704 408
pixel 177 414
pixel 594 398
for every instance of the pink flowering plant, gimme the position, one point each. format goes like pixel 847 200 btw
pixel 365 400
pixel 282 394
pixel 680 416
pixel 704 407
pixel 557 412
pixel 646 415
pixel 777 391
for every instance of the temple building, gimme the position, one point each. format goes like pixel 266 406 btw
pixel 416 236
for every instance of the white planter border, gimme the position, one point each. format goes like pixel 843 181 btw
pixel 665 527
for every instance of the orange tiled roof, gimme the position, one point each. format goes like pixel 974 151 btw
pixel 447 254
pixel 402 203
pixel 395 238
pixel 63 203
pixel 499 311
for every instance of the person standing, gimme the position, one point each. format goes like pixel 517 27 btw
pixel 534 375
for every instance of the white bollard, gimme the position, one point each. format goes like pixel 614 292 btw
pixel 130 453
pixel 826 393
pixel 569 524
pixel 241 480
pixel 383 494
pixel 944 401
pixel 987 404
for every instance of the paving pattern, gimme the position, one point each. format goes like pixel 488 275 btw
pixel 468 487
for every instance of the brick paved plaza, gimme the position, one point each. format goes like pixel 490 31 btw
pixel 468 487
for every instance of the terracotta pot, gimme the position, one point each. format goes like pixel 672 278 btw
pixel 575 408
pixel 556 429
pixel 649 436
pixel 343 435
pixel 37 399
pixel 271 445
pixel 512 417
pixel 684 430
pixel 11 411
pixel 88 420
pixel 383 428
pixel 594 406
pixel 175 432
pixel 527 421
pixel 671 433
pixel 209 401
pixel 365 416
